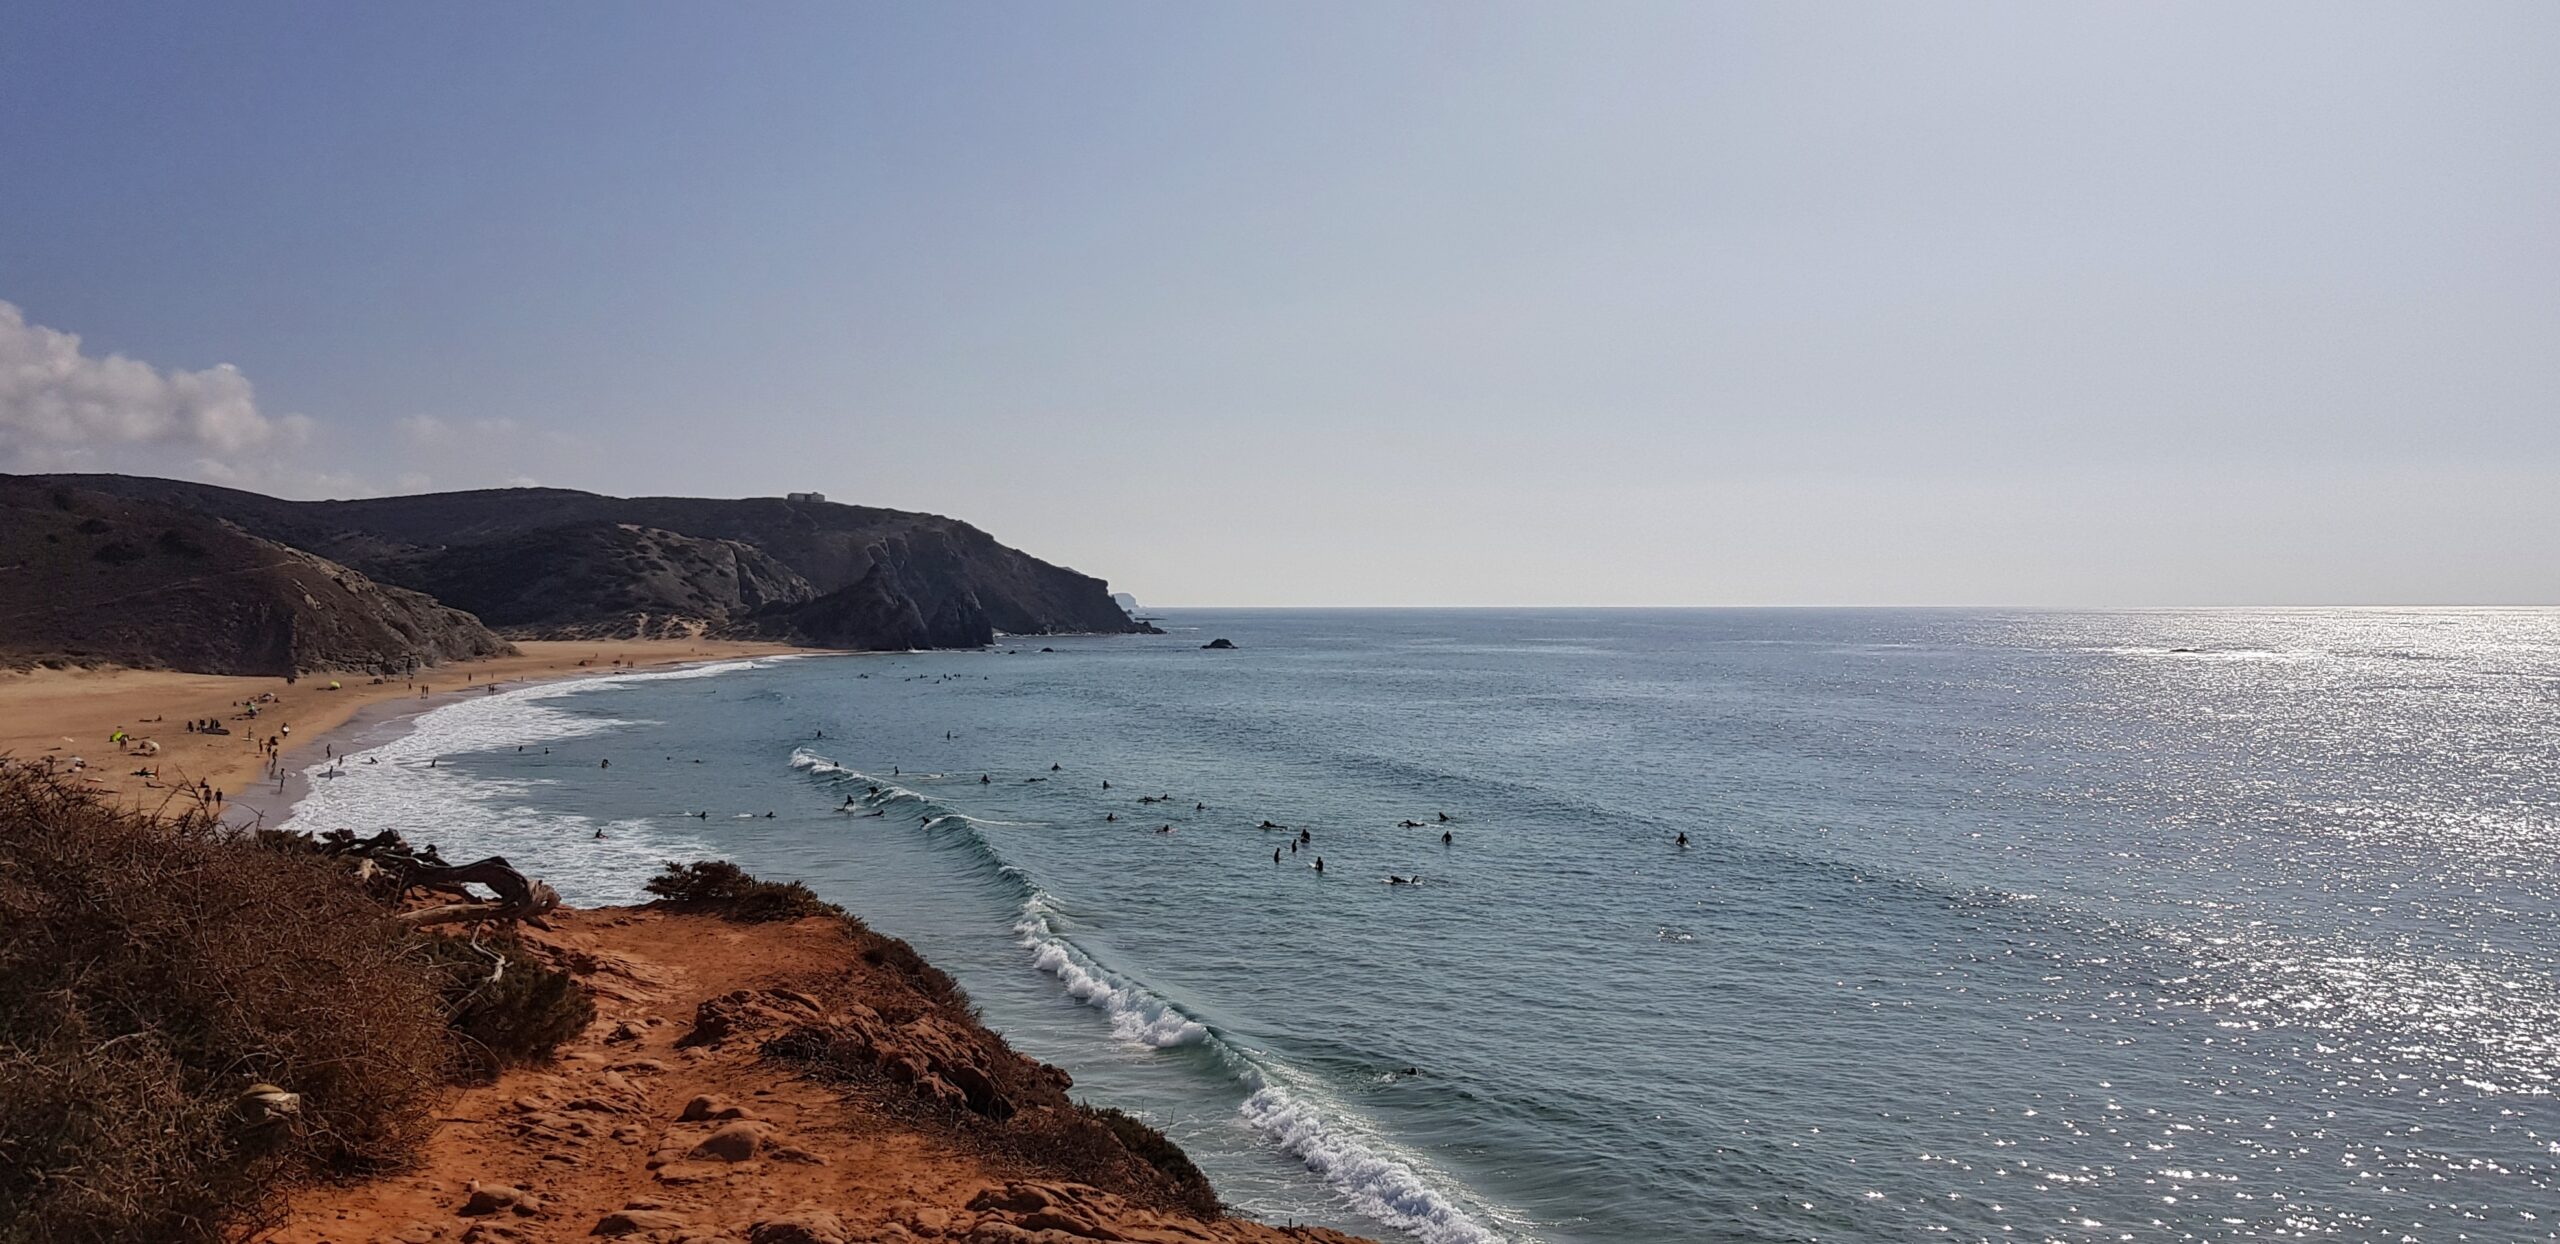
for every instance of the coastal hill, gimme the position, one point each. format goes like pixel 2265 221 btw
pixel 557 563
pixel 91 577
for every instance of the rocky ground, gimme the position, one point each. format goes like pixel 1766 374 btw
pixel 668 1120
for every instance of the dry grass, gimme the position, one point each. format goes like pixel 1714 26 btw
pixel 154 968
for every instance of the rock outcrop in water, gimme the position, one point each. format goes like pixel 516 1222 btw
pixel 90 577
pixel 552 563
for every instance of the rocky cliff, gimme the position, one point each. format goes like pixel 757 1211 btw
pixel 541 562
pixel 94 577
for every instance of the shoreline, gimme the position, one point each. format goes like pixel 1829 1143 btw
pixel 62 714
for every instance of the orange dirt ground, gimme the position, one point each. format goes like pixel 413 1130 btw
pixel 599 1143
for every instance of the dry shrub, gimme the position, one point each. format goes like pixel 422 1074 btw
pixel 150 971
pixel 504 1016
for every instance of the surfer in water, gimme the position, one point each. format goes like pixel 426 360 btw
pixel 1683 840
pixel 982 779
pixel 1275 855
pixel 1319 863
pixel 1445 839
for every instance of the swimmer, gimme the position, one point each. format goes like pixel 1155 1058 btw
pixel 1266 824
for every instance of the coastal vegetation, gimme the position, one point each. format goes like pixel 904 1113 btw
pixel 192 1019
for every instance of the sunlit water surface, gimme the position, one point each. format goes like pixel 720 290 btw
pixel 1991 926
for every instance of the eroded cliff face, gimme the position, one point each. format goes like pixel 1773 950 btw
pixel 90 577
pixel 540 562
pixel 607 580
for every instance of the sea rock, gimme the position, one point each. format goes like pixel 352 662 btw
pixel 1221 645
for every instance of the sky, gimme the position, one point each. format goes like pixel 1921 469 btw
pixel 1345 303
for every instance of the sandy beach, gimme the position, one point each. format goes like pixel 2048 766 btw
pixel 67 714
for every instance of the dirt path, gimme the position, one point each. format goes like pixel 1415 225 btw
pixel 631 1134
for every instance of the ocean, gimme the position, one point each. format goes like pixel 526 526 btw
pixel 2161 925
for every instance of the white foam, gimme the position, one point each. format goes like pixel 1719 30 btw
pixel 1375 1184
pixel 1137 1016
pixel 469 816
pixel 1361 1169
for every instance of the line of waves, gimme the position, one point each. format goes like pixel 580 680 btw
pixel 401 784
pixel 1363 1168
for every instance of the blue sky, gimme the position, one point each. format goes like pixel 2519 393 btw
pixel 1346 303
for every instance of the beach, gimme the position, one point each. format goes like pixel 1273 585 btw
pixel 68 713
pixel 1966 897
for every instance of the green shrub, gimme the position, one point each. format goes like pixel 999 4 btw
pixel 726 890
pixel 505 1007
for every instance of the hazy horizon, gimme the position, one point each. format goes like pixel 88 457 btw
pixel 1504 306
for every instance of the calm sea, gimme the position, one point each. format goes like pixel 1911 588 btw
pixel 2224 925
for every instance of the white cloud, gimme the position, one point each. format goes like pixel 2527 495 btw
pixel 60 405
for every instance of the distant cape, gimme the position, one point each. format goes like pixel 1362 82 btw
pixel 192 576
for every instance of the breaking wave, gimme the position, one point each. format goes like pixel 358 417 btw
pixel 1360 1167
